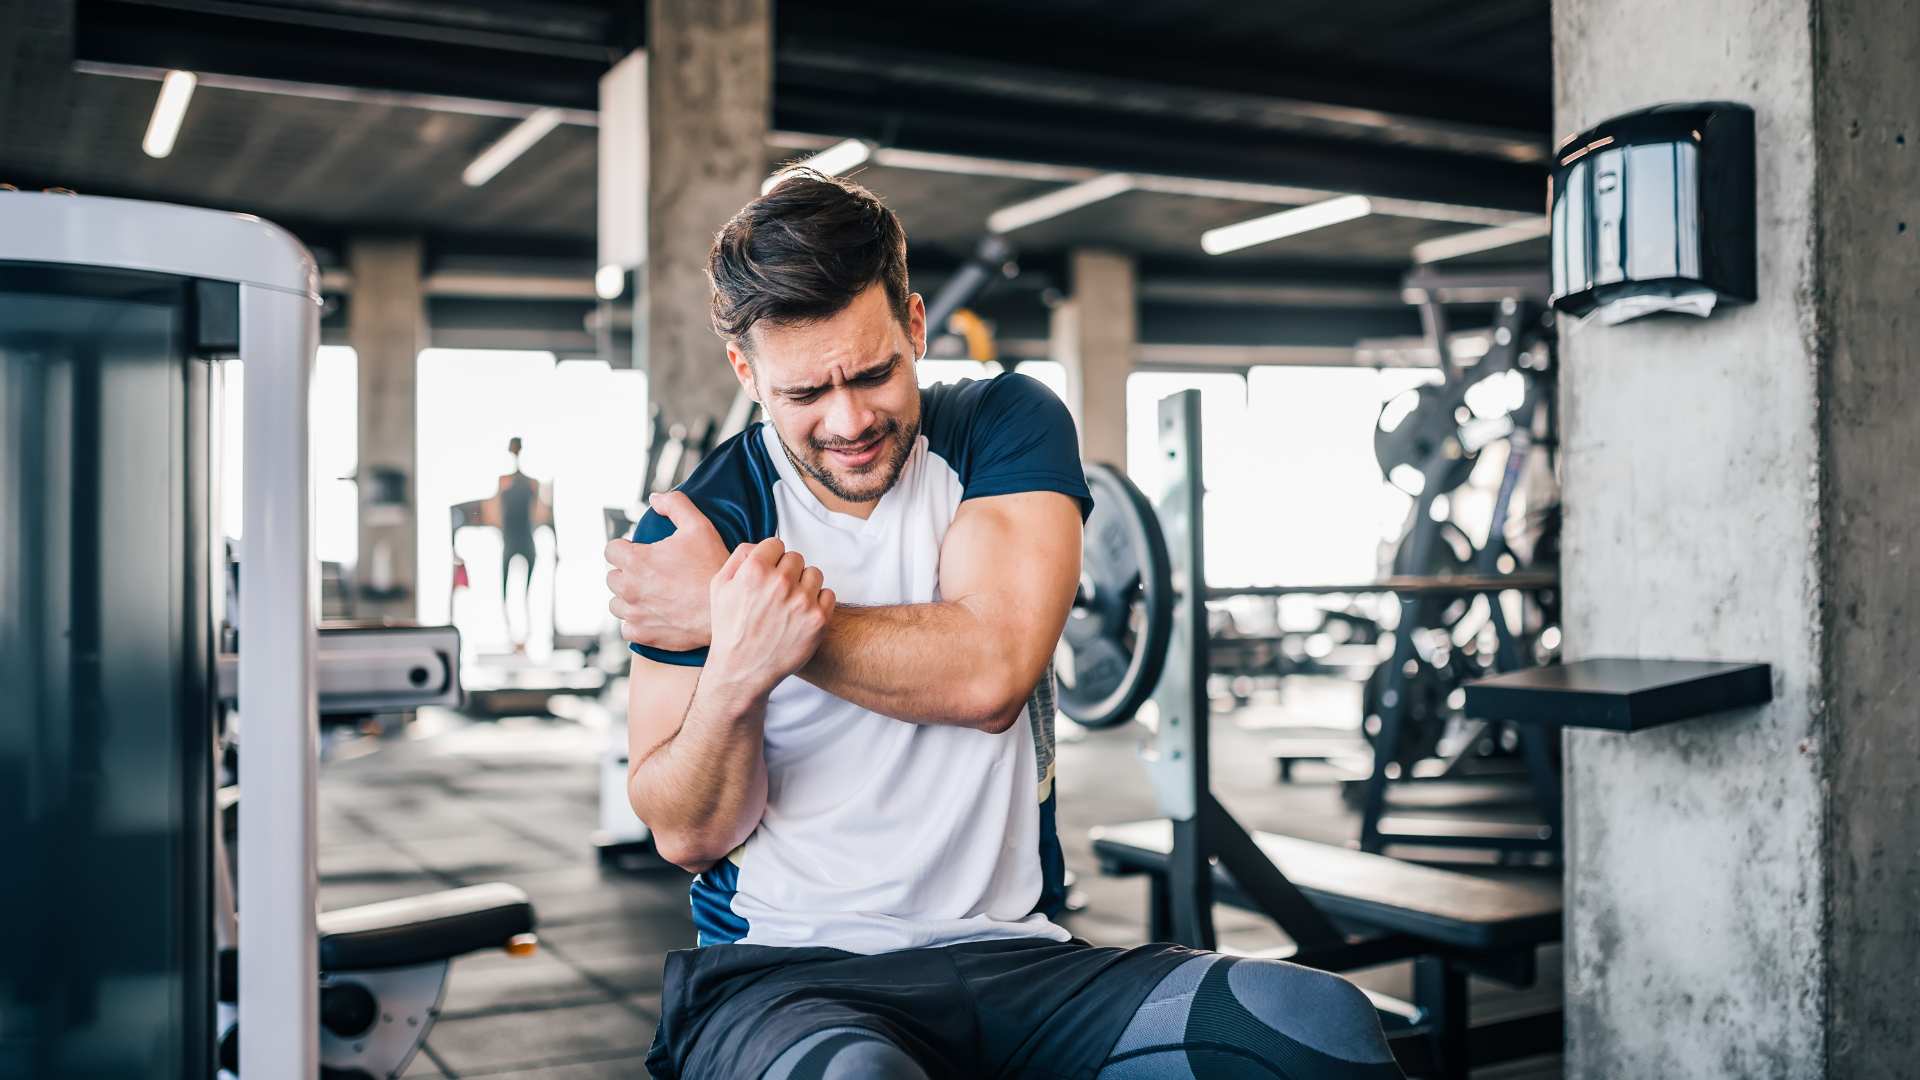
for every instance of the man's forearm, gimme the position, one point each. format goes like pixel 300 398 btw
pixel 703 790
pixel 938 663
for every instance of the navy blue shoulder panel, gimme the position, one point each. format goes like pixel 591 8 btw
pixel 1004 435
pixel 733 487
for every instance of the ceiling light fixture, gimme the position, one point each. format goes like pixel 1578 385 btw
pixel 511 145
pixel 169 109
pixel 1054 203
pixel 609 282
pixel 1286 223
pixel 834 160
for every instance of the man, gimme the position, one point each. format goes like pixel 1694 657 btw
pixel 519 508
pixel 856 756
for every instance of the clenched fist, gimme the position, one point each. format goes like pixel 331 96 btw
pixel 769 614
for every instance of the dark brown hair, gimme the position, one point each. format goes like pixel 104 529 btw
pixel 802 252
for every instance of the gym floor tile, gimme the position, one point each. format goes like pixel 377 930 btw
pixel 493 982
pixel 352 893
pixel 584 893
pixel 474 859
pixel 622 1068
pixel 625 955
pixel 479 1045
pixel 373 858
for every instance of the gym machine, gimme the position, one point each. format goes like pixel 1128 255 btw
pixel 132 957
pixel 1427 442
pixel 1143 612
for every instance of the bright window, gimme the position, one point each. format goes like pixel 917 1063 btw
pixel 334 448
pixel 1323 508
pixel 1293 493
pixel 583 431
pixel 1051 373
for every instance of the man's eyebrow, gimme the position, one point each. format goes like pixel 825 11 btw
pixel 866 372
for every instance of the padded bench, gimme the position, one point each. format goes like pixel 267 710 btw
pixel 422 929
pixel 1451 909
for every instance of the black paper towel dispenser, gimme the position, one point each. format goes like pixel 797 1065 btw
pixel 1653 211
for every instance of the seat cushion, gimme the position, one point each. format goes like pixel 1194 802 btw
pixel 420 929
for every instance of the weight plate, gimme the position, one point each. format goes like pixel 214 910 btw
pixel 1414 427
pixel 1422 697
pixel 1450 553
pixel 1115 642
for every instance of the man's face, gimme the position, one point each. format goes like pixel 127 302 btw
pixel 841 393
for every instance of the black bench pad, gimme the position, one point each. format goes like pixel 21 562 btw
pixel 1374 891
pixel 421 929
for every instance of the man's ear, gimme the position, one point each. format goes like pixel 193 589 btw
pixel 917 325
pixel 742 369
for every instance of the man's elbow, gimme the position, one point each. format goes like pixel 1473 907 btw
pixel 688 850
pixel 995 707
pixel 691 857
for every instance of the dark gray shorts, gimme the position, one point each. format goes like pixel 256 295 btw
pixel 1022 1008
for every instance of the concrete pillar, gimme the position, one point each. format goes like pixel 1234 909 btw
pixel 387 327
pixel 1867 146
pixel 1093 334
pixel 689 120
pixel 1740 889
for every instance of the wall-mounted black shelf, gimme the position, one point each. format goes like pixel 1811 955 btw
pixel 1619 694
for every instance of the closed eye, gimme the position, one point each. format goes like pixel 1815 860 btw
pixel 877 376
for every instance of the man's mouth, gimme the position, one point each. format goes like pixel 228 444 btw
pixel 855 455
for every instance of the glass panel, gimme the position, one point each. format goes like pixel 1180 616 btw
pixel 105 758
pixel 1651 250
pixel 1609 201
pixel 1686 198
pixel 471 401
pixel 334 420
pixel 1578 273
pixel 1311 505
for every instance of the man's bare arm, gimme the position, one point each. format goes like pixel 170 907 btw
pixel 696 773
pixel 1008 568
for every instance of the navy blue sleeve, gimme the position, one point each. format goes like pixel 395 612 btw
pixel 1007 435
pixel 733 487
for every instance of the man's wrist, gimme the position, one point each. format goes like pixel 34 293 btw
pixel 736 693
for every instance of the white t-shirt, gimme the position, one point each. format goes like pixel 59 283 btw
pixel 879 834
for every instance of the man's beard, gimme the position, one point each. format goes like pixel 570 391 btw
pixel 888 465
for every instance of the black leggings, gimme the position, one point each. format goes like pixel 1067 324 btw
pixel 1213 1016
pixel 506 567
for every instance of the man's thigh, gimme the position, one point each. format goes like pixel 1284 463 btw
pixel 1247 1019
pixel 732 1012
pixel 845 1053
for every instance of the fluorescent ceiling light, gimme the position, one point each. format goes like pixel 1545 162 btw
pixel 511 145
pixel 834 160
pixel 609 282
pixel 168 110
pixel 1478 240
pixel 1286 223
pixel 1054 203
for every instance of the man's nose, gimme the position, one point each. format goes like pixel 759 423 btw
pixel 848 416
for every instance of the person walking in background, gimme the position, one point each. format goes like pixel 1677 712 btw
pixel 520 507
